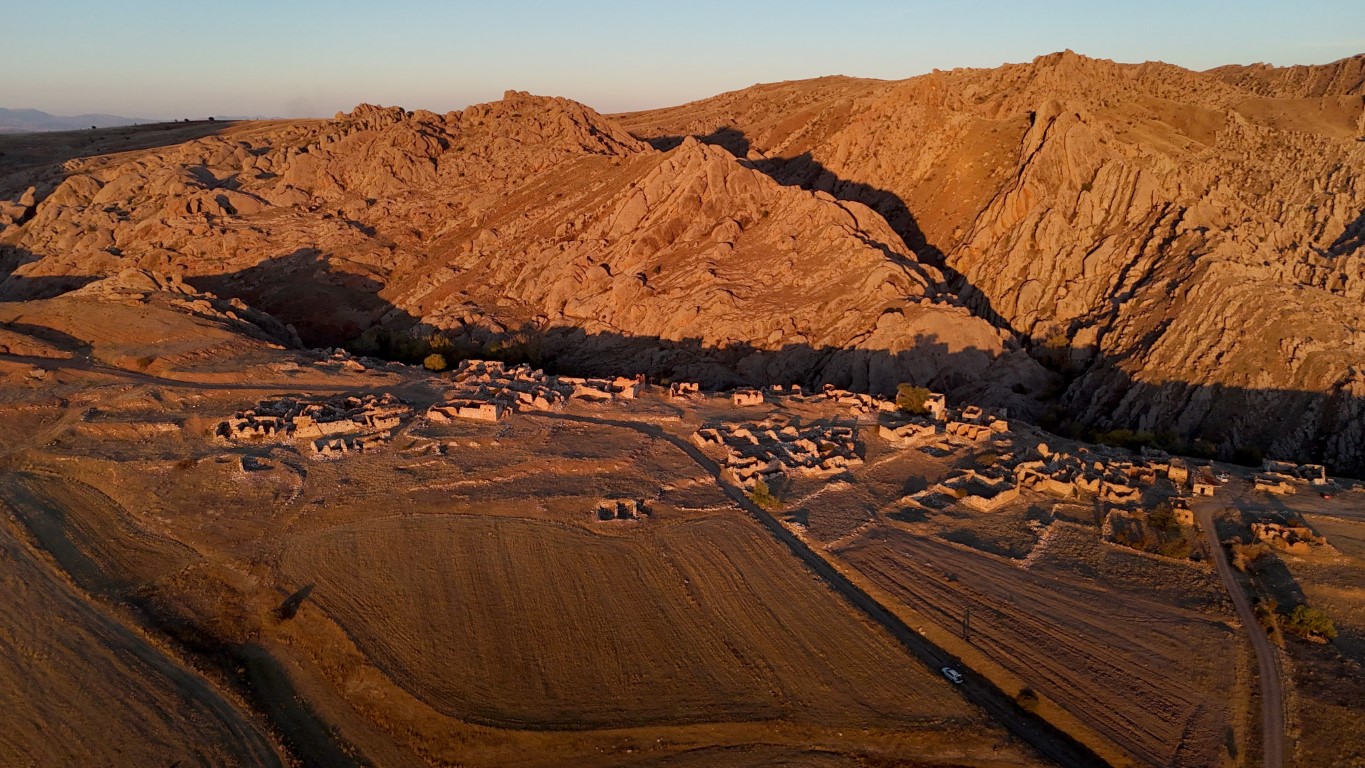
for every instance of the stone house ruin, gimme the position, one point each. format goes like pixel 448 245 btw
pixel 477 410
pixel 334 426
pixel 620 510
pixel 1298 539
pixel 1281 485
pixel 774 446
pixel 746 397
pixel 982 490
pixel 682 389
pixel 1180 508
pixel 1315 474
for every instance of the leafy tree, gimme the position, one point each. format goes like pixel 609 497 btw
pixel 912 400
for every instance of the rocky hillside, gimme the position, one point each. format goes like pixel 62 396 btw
pixel 529 223
pixel 1131 246
pixel 1340 78
pixel 1184 247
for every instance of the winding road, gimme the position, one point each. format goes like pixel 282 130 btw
pixel 1272 692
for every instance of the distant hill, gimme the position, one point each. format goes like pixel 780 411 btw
pixel 24 120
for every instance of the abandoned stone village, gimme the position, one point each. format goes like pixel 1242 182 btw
pixel 776 444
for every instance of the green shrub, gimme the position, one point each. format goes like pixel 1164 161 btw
pixel 1162 517
pixel 1027 700
pixel 1265 612
pixel 763 497
pixel 435 362
pixel 1177 547
pixel 1305 621
pixel 912 400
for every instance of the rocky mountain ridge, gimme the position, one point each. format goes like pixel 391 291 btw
pixel 525 220
pixel 1184 247
pixel 1181 249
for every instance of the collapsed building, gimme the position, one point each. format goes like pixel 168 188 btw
pixel 1314 474
pixel 332 427
pixel 488 390
pixel 1298 539
pixel 983 490
pixel 774 446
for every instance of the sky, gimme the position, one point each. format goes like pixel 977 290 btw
pixel 167 59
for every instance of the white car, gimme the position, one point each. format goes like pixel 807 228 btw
pixel 1224 477
pixel 953 675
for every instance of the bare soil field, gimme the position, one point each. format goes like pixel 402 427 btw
pixel 79 687
pixel 1152 676
pixel 531 624
pixel 453 598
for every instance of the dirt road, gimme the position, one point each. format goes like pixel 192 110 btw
pixel 1272 693
pixel 1050 742
pixel 90 366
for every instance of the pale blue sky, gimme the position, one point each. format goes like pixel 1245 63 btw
pixel 188 58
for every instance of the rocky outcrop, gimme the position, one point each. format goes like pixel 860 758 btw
pixel 138 286
pixel 529 217
pixel 1185 247
pixel 1340 78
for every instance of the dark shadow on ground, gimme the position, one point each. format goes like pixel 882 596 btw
pixel 290 607
pixel 327 306
pixel 331 306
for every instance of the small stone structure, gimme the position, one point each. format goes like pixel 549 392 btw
pixel 746 397
pixel 1315 474
pixel 984 490
pixel 683 389
pixel 973 424
pixel 1180 508
pixel 858 403
pixel 620 510
pixel 478 410
pixel 1282 485
pixel 914 432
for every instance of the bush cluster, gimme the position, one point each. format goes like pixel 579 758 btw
pixel 912 400
pixel 763 497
